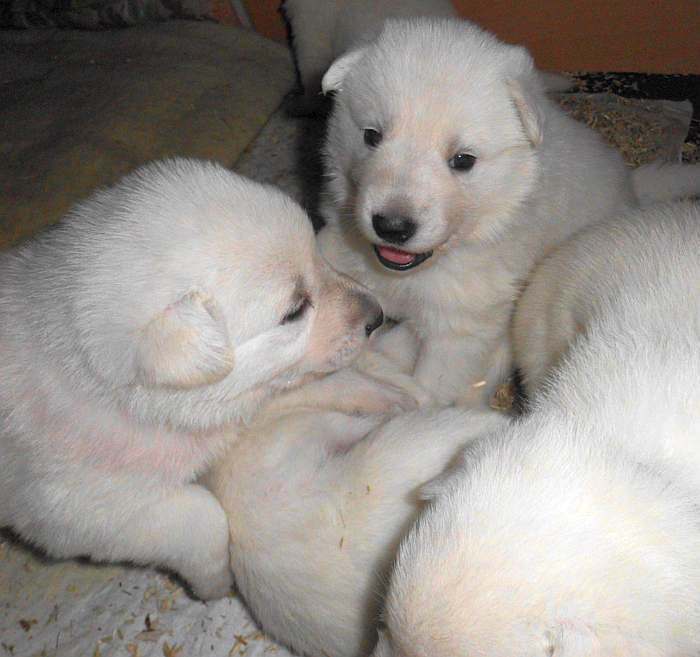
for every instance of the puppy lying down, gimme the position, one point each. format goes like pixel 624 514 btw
pixel 576 531
pixel 318 500
pixel 451 174
pixel 135 339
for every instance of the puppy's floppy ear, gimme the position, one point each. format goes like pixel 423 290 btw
pixel 335 75
pixel 526 90
pixel 186 345
pixel 527 104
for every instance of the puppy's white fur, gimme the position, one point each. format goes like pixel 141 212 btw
pixel 323 30
pixel 317 507
pixel 134 338
pixel 576 531
pixel 433 89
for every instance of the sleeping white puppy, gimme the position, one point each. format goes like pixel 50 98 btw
pixel 135 338
pixel 451 175
pixel 317 507
pixel 576 532
pixel 322 30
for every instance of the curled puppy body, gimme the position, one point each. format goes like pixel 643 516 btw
pixel 318 499
pixel 135 338
pixel 450 176
pixel 577 530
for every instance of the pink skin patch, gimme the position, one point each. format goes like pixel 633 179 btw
pixel 396 255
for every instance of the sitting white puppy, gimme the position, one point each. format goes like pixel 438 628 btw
pixel 451 175
pixel 322 30
pixel 316 507
pixel 134 338
pixel 576 532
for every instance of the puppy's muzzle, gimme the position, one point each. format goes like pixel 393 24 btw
pixel 395 229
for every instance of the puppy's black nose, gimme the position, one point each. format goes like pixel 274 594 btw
pixel 394 228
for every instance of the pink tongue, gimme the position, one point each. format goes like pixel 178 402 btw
pixel 396 256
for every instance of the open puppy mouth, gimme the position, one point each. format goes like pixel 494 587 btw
pixel 399 260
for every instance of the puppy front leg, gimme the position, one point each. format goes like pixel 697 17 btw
pixel 348 391
pixel 181 528
pixel 189 531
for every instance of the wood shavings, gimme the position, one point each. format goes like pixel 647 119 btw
pixel 150 635
pixel 503 397
pixel 171 651
pixel 165 604
pixel 26 625
pixel 133 650
pixel 53 616
pixel 150 592
pixel 240 644
pixel 170 585
pixel 641 130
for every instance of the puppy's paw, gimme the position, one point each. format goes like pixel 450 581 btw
pixel 201 552
pixel 214 585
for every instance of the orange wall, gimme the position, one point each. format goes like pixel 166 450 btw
pixel 651 36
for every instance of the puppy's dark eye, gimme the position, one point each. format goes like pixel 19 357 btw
pixel 372 137
pixel 297 312
pixel 462 162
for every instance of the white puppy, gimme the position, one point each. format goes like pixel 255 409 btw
pixel 134 338
pixel 576 532
pixel 451 175
pixel 316 506
pixel 322 30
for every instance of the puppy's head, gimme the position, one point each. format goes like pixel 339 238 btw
pixel 433 138
pixel 539 551
pixel 199 292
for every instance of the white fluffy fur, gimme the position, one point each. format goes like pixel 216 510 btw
pixel 317 507
pixel 135 337
pixel 576 532
pixel 435 88
pixel 322 30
